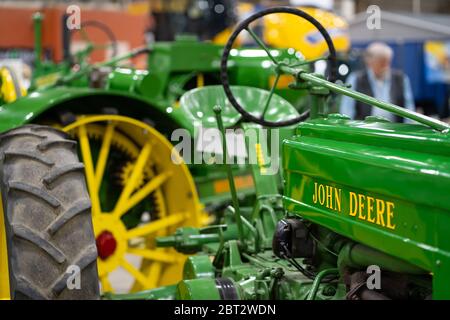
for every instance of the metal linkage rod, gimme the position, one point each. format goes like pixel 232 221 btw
pixel 305 76
pixel 107 63
pixel 237 211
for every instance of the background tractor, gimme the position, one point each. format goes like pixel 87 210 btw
pixel 363 214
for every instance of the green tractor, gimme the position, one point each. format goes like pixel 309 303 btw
pixel 363 215
pixel 123 121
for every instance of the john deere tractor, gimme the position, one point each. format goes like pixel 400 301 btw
pixel 364 212
pixel 361 211
pixel 114 125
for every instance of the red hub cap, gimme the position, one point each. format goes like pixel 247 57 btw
pixel 106 244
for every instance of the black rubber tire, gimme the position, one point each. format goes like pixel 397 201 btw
pixel 47 215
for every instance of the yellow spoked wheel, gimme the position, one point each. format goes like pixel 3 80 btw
pixel 137 193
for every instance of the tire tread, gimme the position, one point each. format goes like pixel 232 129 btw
pixel 47 215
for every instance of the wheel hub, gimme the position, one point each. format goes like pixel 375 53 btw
pixel 110 235
pixel 106 244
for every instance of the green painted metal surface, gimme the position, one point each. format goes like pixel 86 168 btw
pixel 199 266
pixel 380 184
pixel 161 293
pixel 197 289
pixel 28 108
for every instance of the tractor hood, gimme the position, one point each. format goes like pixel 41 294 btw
pixel 373 181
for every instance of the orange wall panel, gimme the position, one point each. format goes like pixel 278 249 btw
pixel 16 28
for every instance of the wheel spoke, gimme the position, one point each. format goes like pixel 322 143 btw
pixel 106 285
pixel 148 188
pixel 103 155
pixel 139 276
pixel 89 169
pixel 155 226
pixel 155 255
pixel 136 175
pixel 154 274
pixel 261 44
pixel 272 90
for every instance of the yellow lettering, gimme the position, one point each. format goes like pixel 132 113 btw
pixel 361 199
pixel 315 193
pixel 362 206
pixel 390 215
pixel 353 204
pixel 380 212
pixel 337 199
pixel 321 194
pixel 370 201
pixel 329 197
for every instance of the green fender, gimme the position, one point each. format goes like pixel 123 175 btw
pixel 27 109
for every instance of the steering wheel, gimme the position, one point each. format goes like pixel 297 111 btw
pixel 245 25
pixel 91 46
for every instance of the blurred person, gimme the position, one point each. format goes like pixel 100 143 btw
pixel 380 81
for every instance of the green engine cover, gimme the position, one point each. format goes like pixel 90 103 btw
pixel 379 183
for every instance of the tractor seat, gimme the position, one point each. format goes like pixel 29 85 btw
pixel 198 104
